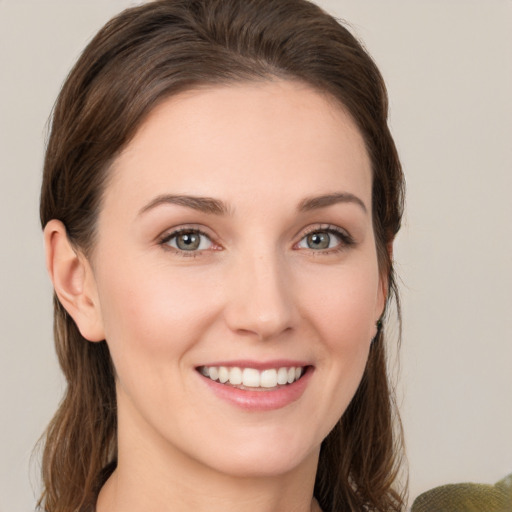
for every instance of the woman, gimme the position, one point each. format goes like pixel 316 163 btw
pixel 220 198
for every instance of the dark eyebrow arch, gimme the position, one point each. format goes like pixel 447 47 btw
pixel 202 204
pixel 313 203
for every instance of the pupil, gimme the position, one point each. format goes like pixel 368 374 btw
pixel 318 241
pixel 188 241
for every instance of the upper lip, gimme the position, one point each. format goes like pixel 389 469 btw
pixel 259 365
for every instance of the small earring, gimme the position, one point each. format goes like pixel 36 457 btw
pixel 378 324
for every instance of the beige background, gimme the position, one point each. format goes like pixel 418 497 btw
pixel 448 65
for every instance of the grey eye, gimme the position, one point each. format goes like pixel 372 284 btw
pixel 320 240
pixel 190 241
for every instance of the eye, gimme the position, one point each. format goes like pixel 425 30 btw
pixel 188 240
pixel 325 239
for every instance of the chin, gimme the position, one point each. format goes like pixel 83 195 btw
pixel 264 465
pixel 268 454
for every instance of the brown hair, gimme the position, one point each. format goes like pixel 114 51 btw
pixel 142 56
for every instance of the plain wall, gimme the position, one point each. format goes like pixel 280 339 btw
pixel 448 66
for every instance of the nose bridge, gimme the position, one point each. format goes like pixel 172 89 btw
pixel 260 300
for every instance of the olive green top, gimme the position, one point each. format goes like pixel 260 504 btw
pixel 467 497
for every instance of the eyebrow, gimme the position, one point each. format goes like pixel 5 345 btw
pixel 316 202
pixel 202 204
pixel 213 206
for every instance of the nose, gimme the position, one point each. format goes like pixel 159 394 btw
pixel 260 299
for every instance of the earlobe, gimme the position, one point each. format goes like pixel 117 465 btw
pixel 383 291
pixel 381 301
pixel 73 281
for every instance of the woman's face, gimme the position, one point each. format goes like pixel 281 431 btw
pixel 235 242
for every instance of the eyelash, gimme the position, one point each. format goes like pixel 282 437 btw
pixel 346 240
pixel 166 238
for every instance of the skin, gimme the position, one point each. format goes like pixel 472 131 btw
pixel 253 290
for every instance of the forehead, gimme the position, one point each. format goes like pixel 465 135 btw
pixel 250 140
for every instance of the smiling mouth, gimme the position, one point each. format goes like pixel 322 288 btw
pixel 252 379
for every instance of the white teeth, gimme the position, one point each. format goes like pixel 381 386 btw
pixel 213 373
pixel 269 378
pixel 235 376
pixel 282 376
pixel 252 378
pixel 223 374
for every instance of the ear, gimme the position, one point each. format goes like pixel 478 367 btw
pixel 73 281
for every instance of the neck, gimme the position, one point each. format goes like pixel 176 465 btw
pixel 121 493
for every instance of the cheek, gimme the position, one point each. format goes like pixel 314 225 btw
pixel 346 321
pixel 153 316
pixel 343 315
pixel 344 308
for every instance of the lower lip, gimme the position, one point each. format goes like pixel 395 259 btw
pixel 260 400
